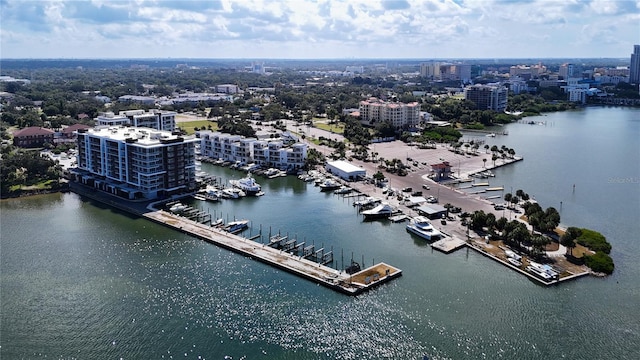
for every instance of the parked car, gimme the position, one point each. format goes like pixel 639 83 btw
pixel 407 189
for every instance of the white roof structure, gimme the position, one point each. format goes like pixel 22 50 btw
pixel 345 170
pixel 344 166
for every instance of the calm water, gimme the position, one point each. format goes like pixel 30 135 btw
pixel 79 280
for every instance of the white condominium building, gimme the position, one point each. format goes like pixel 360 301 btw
pixel 374 111
pixel 135 162
pixel 154 119
pixel 234 148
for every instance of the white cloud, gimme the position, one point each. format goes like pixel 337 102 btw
pixel 322 28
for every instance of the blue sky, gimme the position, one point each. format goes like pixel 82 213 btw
pixel 318 29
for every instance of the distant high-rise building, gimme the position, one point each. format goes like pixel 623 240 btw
pixel 566 71
pixel 634 68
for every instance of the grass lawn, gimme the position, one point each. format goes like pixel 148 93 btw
pixel 190 126
pixel 37 186
pixel 337 128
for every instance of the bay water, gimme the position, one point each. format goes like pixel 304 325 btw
pixel 82 280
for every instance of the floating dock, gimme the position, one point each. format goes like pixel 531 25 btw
pixel 350 284
pixel 498 188
pixel 448 244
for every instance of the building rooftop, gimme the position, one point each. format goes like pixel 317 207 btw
pixel 142 136
pixel 33 131
pixel 345 166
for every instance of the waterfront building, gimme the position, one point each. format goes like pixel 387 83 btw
pixel 154 119
pixel 374 111
pixel 577 90
pixel 634 68
pixel 345 170
pixel 487 97
pixel 236 148
pixel 135 162
pixel 441 171
pixel 33 136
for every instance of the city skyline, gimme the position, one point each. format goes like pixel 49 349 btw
pixel 319 29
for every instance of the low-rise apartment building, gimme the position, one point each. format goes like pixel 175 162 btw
pixel 136 163
pixel 236 148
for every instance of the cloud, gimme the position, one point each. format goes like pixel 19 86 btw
pixel 98 13
pixel 468 28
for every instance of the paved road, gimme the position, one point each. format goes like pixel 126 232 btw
pixel 418 175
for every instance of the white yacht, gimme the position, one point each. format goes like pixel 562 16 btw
pixel 546 272
pixel 272 173
pixel 367 201
pixel 232 193
pixel 237 226
pixel 329 184
pixel 178 208
pixel 421 226
pixel 343 190
pixel 211 193
pixel 384 210
pixel 247 184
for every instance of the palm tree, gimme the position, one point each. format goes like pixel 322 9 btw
pixel 568 238
pixel 484 163
pixel 486 148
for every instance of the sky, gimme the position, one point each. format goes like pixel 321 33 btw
pixel 319 29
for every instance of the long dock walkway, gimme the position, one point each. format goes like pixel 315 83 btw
pixel 350 284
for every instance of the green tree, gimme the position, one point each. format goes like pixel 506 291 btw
pixel 568 238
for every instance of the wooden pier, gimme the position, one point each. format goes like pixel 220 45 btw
pixel 350 284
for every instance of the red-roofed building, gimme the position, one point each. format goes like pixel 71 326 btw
pixel 32 137
pixel 441 171
pixel 70 131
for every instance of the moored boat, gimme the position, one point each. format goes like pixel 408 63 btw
pixel 178 207
pixel 421 227
pixel 237 226
pixel 247 184
pixel 384 210
pixel 343 190
pixel 329 184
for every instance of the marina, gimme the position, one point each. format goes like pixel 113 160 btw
pixel 341 281
pixel 91 278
